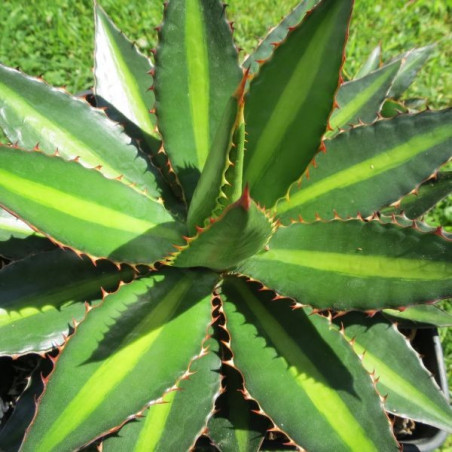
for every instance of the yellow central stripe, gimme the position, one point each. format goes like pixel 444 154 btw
pixel 397 383
pixel 198 77
pixel 137 109
pixel 68 144
pixel 367 169
pixel 154 425
pixel 345 113
pixel 373 266
pixel 68 204
pixel 326 400
pixel 114 370
pixel 289 104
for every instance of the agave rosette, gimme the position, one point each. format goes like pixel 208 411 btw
pixel 183 253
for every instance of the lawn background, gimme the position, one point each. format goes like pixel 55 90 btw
pixel 55 39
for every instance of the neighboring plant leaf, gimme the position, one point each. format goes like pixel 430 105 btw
pixel 42 295
pixel 240 232
pixel 413 60
pixel 18 240
pixel 289 102
pixel 13 431
pixel 82 209
pixel 32 113
pixel 428 195
pixel 175 423
pixel 208 192
pixel 361 99
pixel 196 74
pixel 138 338
pixel 416 104
pixel 277 350
pixel 419 316
pixel 411 391
pixel 122 76
pixel 234 427
pixel 392 108
pixel 354 265
pixel 371 166
pixel 277 34
pixel 371 64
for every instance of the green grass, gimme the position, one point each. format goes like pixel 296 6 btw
pixel 55 40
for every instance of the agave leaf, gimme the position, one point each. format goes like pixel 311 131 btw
pixel 18 240
pixel 296 86
pixel 42 295
pixel 122 76
pixel 122 80
pixel 233 178
pixel 234 427
pixel 175 423
pixel 208 192
pixel 277 34
pixel 84 210
pixel 413 60
pixel 361 99
pixel 354 265
pixel 241 231
pixel 427 196
pixel 137 339
pixel 371 166
pixel 419 316
pixel 410 389
pixel 196 55
pixel 371 64
pixel 13 430
pixel 32 113
pixel 278 350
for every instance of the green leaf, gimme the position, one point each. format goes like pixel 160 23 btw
pixel 175 423
pixel 208 192
pixel 234 427
pixel 138 338
pixel 371 166
pixel 302 374
pixel 427 196
pixel 354 265
pixel 411 391
pixel 84 210
pixel 123 78
pixel 277 34
pixel 196 74
pixel 413 60
pixel 289 102
pixel 17 239
pixel 240 232
pixel 419 316
pixel 361 99
pixel 41 296
pixel 32 113
pixel 371 64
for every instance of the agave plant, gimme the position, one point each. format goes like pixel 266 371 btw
pixel 186 255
